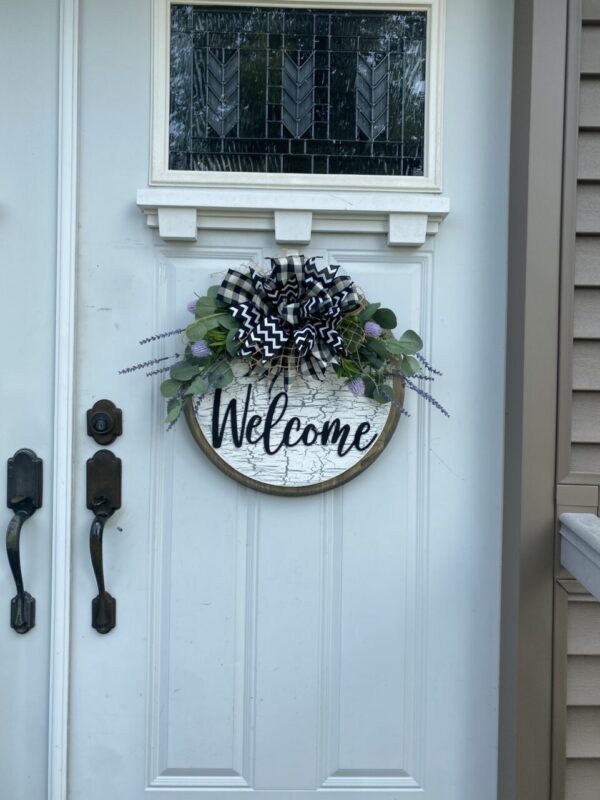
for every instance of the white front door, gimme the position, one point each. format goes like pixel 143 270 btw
pixel 345 642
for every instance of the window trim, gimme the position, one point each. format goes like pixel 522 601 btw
pixel 161 175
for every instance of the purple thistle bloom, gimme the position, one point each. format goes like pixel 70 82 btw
pixel 372 329
pixel 191 306
pixel 357 387
pixel 200 349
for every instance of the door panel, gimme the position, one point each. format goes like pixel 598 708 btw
pixel 346 642
pixel 268 617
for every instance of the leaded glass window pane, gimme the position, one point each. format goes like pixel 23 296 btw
pixel 297 90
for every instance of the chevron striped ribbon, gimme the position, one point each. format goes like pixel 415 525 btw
pixel 288 318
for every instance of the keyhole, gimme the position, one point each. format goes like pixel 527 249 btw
pixel 101 423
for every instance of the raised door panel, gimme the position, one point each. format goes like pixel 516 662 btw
pixel 285 636
pixel 270 656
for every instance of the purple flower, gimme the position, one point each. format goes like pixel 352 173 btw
pixel 372 329
pixel 191 306
pixel 357 387
pixel 200 349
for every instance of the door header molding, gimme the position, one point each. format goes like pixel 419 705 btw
pixel 293 215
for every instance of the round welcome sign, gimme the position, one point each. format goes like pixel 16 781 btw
pixel 312 438
pixel 341 374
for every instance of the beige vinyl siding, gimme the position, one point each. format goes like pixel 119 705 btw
pixel 590 50
pixel 589 156
pixel 586 419
pixel 591 10
pixel 577 712
pixel 585 430
pixel 587 319
pixel 586 357
pixel 582 776
pixel 589 109
pixel 583 779
pixel 588 206
pixel 583 681
pixel 585 458
pixel 587 261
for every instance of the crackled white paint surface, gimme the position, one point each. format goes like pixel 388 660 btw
pixel 312 401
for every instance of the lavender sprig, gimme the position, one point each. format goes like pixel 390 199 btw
pixel 426 396
pixel 149 363
pixel 427 365
pixel 418 377
pixel 158 336
pixel 196 404
pixel 401 410
pixel 158 371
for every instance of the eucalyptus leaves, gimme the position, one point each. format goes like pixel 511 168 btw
pixel 371 356
pixel 210 344
pixel 296 319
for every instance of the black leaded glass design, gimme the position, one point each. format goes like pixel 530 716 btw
pixel 297 90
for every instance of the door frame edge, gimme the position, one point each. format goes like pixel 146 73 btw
pixel 535 212
pixel 64 381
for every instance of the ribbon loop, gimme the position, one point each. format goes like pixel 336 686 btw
pixel 288 318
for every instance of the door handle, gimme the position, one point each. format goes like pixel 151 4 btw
pixel 103 498
pixel 24 485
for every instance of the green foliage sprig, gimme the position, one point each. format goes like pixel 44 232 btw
pixel 369 358
pixel 372 355
pixel 210 346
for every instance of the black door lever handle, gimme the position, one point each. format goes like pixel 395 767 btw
pixel 24 497
pixel 103 498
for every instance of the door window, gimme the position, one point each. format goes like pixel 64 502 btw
pixel 339 93
pixel 297 90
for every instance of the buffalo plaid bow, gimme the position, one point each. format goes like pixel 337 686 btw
pixel 289 317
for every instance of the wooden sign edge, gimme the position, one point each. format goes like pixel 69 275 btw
pixel 316 488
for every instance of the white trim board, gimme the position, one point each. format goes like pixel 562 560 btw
pixel 160 174
pixel 66 229
pixel 407 218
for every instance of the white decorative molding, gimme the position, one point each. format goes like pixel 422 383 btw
pixel 408 772
pixel 166 770
pixel 161 751
pixel 62 494
pixel 178 213
pixel 407 229
pixel 177 224
pixel 580 549
pixel 293 227
pixel 331 775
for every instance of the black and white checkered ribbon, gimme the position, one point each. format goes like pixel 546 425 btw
pixel 289 317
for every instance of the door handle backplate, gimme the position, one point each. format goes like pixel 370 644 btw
pixel 103 498
pixel 24 487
